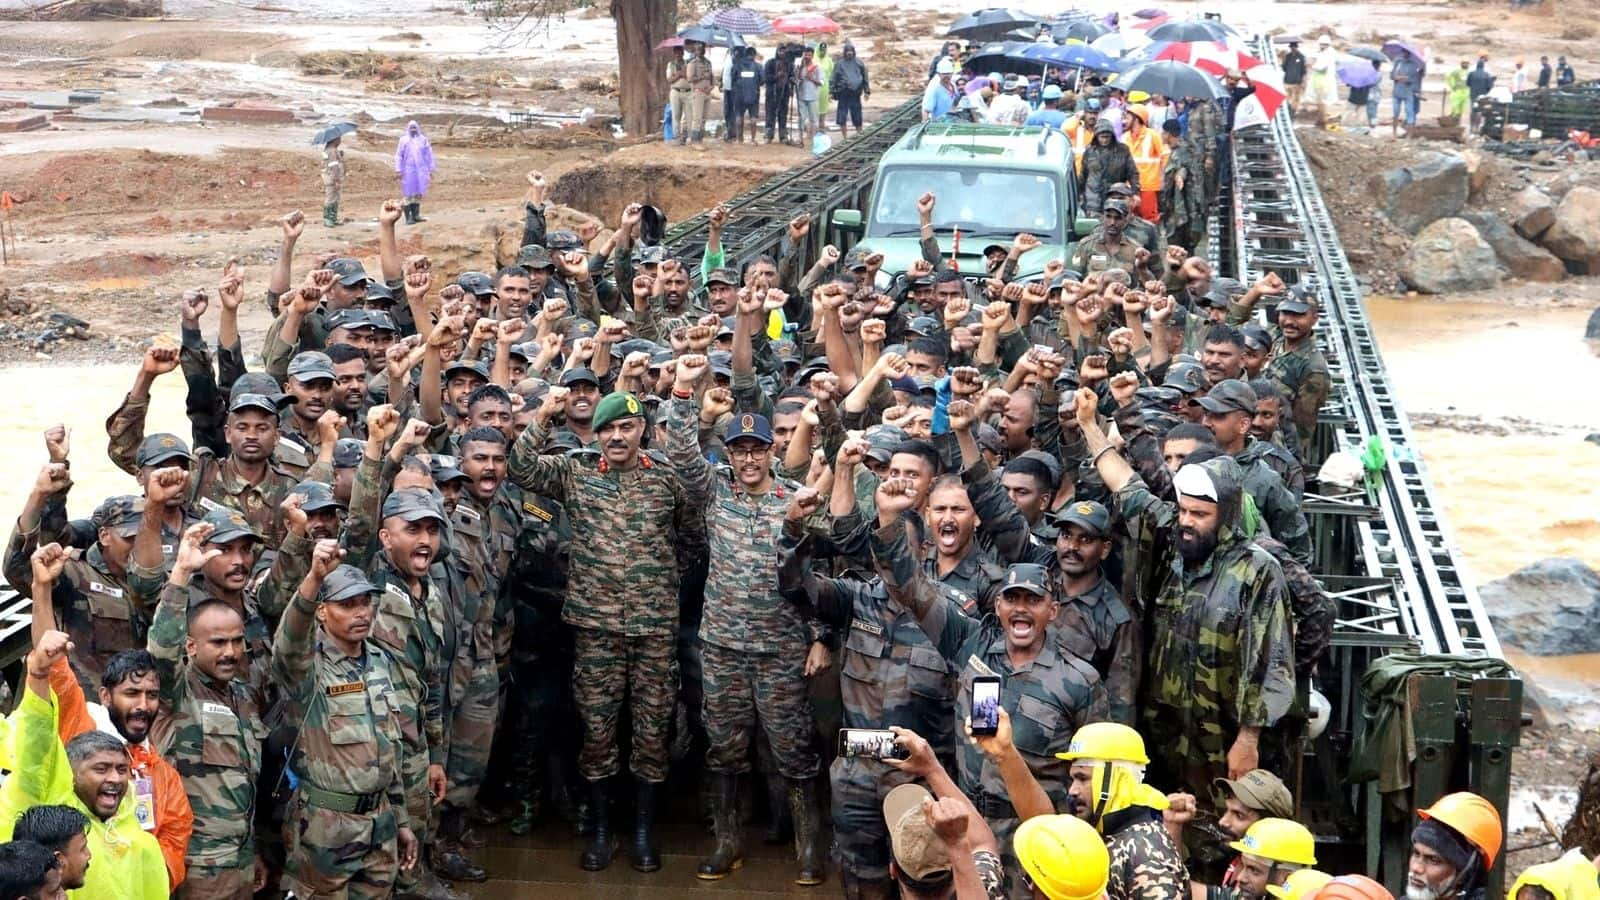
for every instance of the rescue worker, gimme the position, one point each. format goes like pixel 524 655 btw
pixel 1063 858
pixel 1453 848
pixel 1107 790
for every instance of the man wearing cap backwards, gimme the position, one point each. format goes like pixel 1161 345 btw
pixel 1053 690
pixel 1453 848
pixel 1220 667
pixel 622 601
pixel 348 831
pixel 1107 790
pixel 1296 361
pixel 757 649
pixel 1230 408
pixel 210 724
pixel 1094 623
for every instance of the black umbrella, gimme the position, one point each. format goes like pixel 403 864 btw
pixel 1189 32
pixel 988 24
pixel 1368 53
pixel 1086 30
pixel 328 133
pixel 1000 56
pixel 712 36
pixel 1171 79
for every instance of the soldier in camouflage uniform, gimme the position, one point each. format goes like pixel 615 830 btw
pixel 890 674
pixel 310 383
pixel 1298 365
pixel 247 480
pixel 210 727
pixel 754 643
pixel 1094 623
pixel 1109 246
pixel 1053 690
pixel 623 601
pixel 1221 662
pixel 348 831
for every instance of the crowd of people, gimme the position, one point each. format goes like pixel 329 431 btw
pixel 406 576
pixel 795 88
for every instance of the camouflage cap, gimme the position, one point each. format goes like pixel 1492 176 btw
pixel 580 328
pixel 1086 514
pixel 318 496
pixel 1113 205
pixel 162 447
pixel 989 438
pixel 527 350
pixel 855 259
pixel 1296 301
pixel 345 583
pixel 378 292
pixel 256 383
pixel 725 327
pixel 662 357
pixel 923 325
pixel 349 318
pixel 1189 378
pixel 1121 189
pixel 268 405
pixel 382 321
pixel 1049 461
pixel 229 525
pixel 349 271
pixel 720 363
pixel 614 406
pixel 476 283
pixel 477 367
pixel 310 366
pixel 748 426
pixel 347 453
pixel 445 468
pixel 1230 395
pixel 563 241
pixel 533 256
pixel 917 850
pixel 1030 577
pixel 1255 337
pixel 121 514
pixel 621 349
pixel 786 351
pixel 723 275
pixel 412 505
pixel 578 375
pixel 562 440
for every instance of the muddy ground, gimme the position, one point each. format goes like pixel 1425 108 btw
pixel 135 198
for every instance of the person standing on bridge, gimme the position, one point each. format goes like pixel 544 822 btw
pixel 847 86
pixel 413 159
pixel 1294 75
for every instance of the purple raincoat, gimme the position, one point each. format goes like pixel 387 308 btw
pixel 413 159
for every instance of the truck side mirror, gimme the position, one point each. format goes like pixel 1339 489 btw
pixel 847 220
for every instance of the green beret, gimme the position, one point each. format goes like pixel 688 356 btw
pixel 614 406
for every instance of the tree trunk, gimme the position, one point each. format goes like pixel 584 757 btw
pixel 641 73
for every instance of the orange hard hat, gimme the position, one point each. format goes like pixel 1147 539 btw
pixel 1472 817
pixel 1352 887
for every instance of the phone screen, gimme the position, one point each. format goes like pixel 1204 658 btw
pixel 985 705
pixel 871 743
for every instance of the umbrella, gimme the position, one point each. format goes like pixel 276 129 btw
pixel 1086 30
pixel 329 132
pixel 1369 53
pixel 738 20
pixel 1150 12
pixel 1081 55
pixel 711 36
pixel 805 23
pixel 1216 57
pixel 997 56
pixel 1197 30
pixel 1171 79
pixel 1261 106
pixel 986 24
pixel 1358 73
pixel 1118 43
pixel 1396 49
pixel 671 43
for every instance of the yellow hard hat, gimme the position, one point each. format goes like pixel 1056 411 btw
pixel 1138 97
pixel 1301 884
pixel 1572 877
pixel 1108 741
pixel 1063 856
pixel 1279 840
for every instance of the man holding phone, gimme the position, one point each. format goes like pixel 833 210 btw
pixel 1053 690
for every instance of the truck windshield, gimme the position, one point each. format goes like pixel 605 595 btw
pixel 996 202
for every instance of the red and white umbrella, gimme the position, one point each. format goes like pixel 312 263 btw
pixel 1216 57
pixel 805 23
pixel 1261 106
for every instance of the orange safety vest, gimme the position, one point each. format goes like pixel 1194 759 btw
pixel 1149 157
pixel 1080 136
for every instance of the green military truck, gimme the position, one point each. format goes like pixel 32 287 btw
pixel 992 183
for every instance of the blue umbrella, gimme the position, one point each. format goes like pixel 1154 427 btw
pixel 712 36
pixel 328 133
pixel 1358 73
pixel 738 20
pixel 1082 56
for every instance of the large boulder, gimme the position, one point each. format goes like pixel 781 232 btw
pixel 1546 609
pixel 1575 236
pixel 1433 188
pixel 1531 212
pixel 1523 259
pixel 1481 168
pixel 1450 256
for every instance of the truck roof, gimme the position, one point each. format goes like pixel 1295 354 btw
pixel 946 142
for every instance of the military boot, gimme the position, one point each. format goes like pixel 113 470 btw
pixel 330 215
pixel 725 821
pixel 429 887
pixel 527 782
pixel 643 853
pixel 602 844
pixel 777 809
pixel 449 860
pixel 807 831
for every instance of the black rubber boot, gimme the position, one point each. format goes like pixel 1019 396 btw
pixel 807 831
pixel 777 810
pixel 450 861
pixel 725 821
pixel 330 215
pixel 643 853
pixel 527 782
pixel 602 843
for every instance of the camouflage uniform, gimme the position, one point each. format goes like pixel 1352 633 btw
pixel 754 643
pixel 1052 695
pixel 623 597
pixel 1145 864
pixel 1096 626
pixel 148 585
pixel 1277 505
pixel 1303 372
pixel 212 734
pixel 218 484
pixel 125 432
pixel 1221 656
pixel 1184 211
pixel 890 674
pixel 346 758
pixel 1095 254
pixel 1280 461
